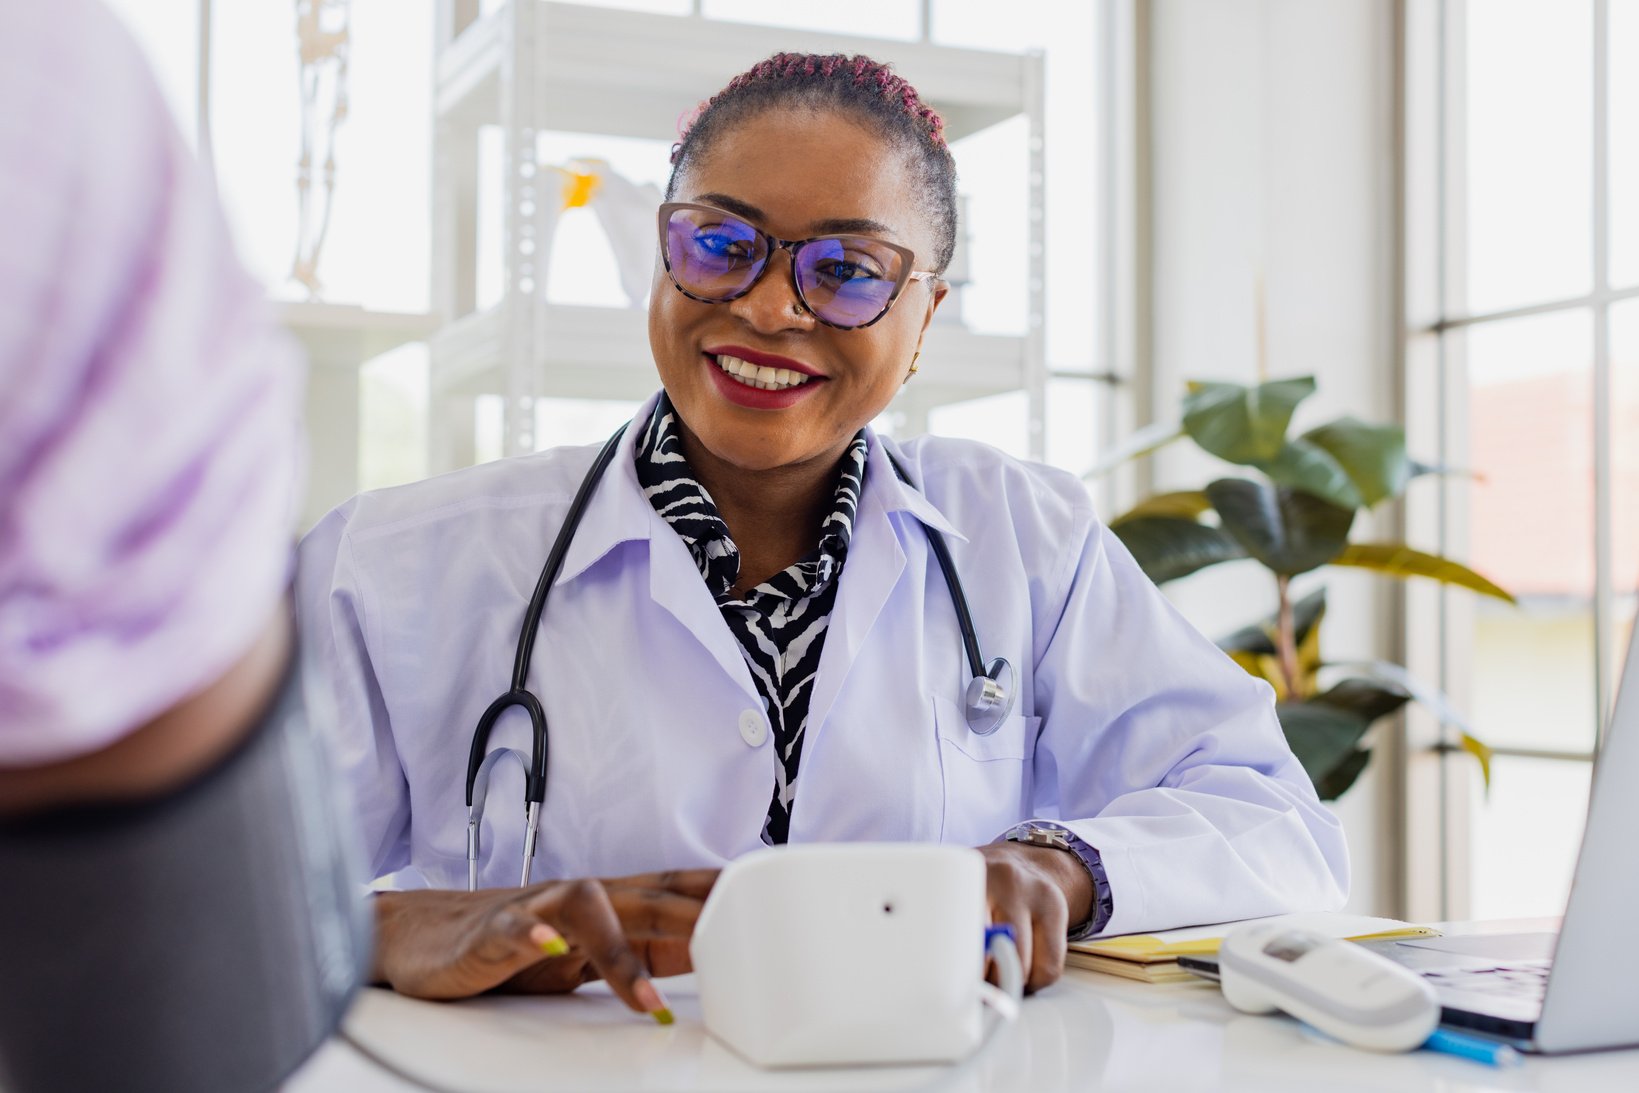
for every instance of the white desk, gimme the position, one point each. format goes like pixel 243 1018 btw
pixel 1087 1032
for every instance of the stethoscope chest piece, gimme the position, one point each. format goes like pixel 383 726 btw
pixel 989 698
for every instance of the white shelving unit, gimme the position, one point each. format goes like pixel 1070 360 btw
pixel 533 65
pixel 340 339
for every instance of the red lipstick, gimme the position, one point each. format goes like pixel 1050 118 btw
pixel 757 398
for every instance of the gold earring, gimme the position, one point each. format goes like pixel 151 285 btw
pixel 912 372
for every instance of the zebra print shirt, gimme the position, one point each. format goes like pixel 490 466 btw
pixel 781 623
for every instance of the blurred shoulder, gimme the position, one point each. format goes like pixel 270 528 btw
pixel 542 482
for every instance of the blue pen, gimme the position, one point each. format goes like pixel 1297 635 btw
pixel 1472 1047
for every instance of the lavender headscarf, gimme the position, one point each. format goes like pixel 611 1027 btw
pixel 149 444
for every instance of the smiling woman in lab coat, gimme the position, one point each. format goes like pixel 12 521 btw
pixel 751 641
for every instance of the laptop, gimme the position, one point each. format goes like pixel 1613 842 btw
pixel 1575 990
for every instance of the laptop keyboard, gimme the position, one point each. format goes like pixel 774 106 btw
pixel 1525 979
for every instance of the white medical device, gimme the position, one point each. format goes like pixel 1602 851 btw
pixel 1348 992
pixel 850 954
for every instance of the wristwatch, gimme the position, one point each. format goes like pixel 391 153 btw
pixel 1039 834
pixel 1059 837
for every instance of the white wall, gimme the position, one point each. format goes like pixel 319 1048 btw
pixel 1272 156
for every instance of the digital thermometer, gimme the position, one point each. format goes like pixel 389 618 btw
pixel 1348 992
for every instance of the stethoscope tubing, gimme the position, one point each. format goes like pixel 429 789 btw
pixel 958 598
pixel 519 694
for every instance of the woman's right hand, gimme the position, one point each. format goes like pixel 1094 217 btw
pixel 545 939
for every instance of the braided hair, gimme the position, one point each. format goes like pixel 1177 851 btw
pixel 867 91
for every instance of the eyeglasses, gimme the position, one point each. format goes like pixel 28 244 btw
pixel 845 281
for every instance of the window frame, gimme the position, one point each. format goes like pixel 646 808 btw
pixel 1434 393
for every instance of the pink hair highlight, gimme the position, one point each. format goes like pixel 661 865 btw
pixel 859 71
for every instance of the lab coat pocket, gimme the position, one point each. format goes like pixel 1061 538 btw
pixel 986 778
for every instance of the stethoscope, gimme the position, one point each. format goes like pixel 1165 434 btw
pixel 986 702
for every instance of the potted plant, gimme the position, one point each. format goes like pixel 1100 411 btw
pixel 1295 516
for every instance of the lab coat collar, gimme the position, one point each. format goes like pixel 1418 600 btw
pixel 893 493
pixel 617 512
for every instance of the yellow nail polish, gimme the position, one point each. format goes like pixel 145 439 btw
pixel 653 1003
pixel 548 940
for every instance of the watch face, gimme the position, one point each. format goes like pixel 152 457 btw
pixel 1042 836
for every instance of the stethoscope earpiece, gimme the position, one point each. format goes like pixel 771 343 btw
pixel 989 698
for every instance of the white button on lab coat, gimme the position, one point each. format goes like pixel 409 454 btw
pixel 1130 728
pixel 752 728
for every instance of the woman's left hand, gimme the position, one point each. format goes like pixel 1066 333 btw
pixel 1041 892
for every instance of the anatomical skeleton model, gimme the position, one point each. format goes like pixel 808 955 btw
pixel 322 34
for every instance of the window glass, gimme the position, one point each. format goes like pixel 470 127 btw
pixel 1621 48
pixel 1531 525
pixel 1529 154
pixel 1624 433
pixel 1067 33
pixel 1525 835
pixel 989 274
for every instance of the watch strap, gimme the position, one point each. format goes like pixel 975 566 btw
pixel 1048 833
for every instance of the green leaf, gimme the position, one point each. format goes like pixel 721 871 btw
pixel 1259 658
pixel 1260 637
pixel 1306 466
pixel 1482 754
pixel 1182 505
pixel 1308 661
pixel 1399 560
pixel 1287 530
pixel 1394 676
pixel 1365 698
pixel 1320 736
pixel 1264 666
pixel 1342 776
pixel 1140 442
pixel 1373 456
pixel 1243 424
pixel 1399 679
pixel 1167 548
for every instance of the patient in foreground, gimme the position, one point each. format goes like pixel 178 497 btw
pixel 177 912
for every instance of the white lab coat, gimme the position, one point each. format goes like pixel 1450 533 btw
pixel 1131 728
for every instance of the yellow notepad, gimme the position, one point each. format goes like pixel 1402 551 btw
pixel 1160 971
pixel 1143 956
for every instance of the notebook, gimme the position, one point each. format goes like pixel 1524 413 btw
pixel 1153 958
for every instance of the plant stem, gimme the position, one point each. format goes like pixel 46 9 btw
pixel 1286 645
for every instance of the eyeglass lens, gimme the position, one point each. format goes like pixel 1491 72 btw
pixel 846 280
